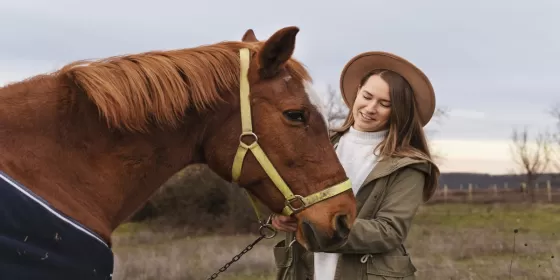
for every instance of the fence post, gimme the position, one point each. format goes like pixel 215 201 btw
pixel 506 185
pixel 549 191
pixel 445 193
pixel 470 192
pixel 495 190
pixel 536 187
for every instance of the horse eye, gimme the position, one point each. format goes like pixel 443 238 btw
pixel 296 116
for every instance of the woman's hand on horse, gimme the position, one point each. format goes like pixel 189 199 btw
pixel 284 223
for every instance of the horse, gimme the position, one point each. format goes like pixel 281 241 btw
pixel 85 146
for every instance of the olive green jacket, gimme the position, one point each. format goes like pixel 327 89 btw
pixel 386 203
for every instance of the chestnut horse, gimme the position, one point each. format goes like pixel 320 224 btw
pixel 92 141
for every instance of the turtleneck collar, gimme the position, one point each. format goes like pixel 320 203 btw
pixel 366 137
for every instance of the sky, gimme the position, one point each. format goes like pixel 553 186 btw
pixel 493 64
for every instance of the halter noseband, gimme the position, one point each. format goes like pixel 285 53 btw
pixel 247 130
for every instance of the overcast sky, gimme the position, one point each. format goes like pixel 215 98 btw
pixel 494 64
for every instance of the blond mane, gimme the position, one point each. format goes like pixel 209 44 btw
pixel 132 91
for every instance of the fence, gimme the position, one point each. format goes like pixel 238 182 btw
pixel 471 193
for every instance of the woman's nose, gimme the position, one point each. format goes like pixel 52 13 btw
pixel 372 108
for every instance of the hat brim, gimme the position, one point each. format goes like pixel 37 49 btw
pixel 363 63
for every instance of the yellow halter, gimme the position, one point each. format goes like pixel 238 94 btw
pixel 247 130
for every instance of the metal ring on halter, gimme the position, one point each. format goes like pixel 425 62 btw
pixel 292 243
pixel 249 133
pixel 272 231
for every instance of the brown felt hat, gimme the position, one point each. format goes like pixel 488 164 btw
pixel 363 63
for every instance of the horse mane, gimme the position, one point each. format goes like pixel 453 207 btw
pixel 132 91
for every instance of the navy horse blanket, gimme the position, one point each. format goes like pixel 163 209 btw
pixel 37 242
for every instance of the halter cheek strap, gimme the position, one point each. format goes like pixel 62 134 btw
pixel 260 155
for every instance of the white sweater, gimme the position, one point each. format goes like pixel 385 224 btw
pixel 355 152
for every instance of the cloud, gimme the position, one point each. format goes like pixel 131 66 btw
pixel 466 114
pixel 486 156
pixel 487 61
pixel 17 70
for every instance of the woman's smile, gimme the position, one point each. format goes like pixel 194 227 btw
pixel 366 118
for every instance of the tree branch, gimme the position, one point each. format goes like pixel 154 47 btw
pixel 336 109
pixel 531 162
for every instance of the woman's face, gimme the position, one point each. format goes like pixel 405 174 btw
pixel 372 106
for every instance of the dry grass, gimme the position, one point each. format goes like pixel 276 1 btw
pixel 456 241
pixel 477 242
pixel 191 258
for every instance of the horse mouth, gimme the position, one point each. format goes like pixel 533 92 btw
pixel 317 241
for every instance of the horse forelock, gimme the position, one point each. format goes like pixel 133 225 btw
pixel 132 91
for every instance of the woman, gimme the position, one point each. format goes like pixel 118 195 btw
pixel 383 149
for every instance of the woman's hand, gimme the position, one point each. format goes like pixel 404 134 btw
pixel 284 223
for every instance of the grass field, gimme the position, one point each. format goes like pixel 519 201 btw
pixel 454 241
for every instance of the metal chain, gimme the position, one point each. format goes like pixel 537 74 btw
pixel 263 235
pixel 236 258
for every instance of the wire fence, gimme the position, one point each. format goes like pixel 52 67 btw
pixel 472 193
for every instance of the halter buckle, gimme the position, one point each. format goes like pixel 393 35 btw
pixel 296 197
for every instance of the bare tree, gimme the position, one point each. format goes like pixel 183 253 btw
pixel 555 112
pixel 336 110
pixel 532 160
pixel 555 145
pixel 440 113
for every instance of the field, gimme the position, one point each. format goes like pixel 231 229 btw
pixel 447 241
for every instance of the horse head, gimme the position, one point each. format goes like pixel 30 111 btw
pixel 292 132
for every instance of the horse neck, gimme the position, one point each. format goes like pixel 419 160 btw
pixel 53 142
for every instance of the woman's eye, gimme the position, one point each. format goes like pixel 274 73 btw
pixel 296 116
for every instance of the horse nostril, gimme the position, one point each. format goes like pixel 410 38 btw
pixel 341 226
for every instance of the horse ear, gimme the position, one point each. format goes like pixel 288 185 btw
pixel 276 51
pixel 249 36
